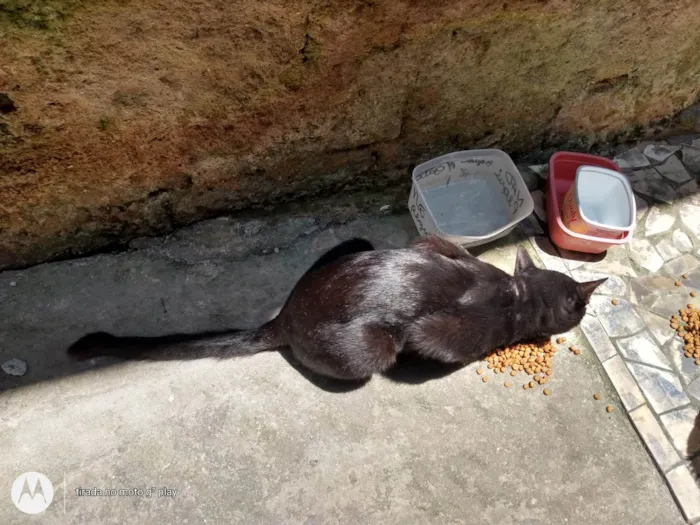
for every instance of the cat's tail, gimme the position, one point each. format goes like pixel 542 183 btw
pixel 220 345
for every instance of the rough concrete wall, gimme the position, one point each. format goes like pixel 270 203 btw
pixel 131 117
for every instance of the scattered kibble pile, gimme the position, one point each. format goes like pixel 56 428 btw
pixel 687 324
pixel 533 359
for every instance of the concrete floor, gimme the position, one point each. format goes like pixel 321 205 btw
pixel 252 441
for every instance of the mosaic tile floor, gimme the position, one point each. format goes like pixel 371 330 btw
pixel 642 354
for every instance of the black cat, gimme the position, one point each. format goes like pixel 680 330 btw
pixel 352 313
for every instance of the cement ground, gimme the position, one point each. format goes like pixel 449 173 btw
pixel 253 441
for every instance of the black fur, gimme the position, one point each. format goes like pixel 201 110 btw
pixel 357 308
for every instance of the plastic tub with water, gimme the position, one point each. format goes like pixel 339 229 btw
pixel 469 197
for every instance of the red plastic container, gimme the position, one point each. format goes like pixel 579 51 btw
pixel 562 174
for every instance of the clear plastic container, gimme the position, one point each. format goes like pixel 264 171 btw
pixel 600 203
pixel 469 197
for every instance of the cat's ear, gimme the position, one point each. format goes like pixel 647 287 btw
pixel 523 261
pixel 585 290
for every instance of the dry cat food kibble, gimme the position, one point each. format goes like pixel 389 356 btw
pixel 534 359
pixel 480 371
pixel 485 379
pixel 615 302
pixel 685 276
pixel 609 408
pixel 677 283
pixel 687 324
pixel 596 397
pixel 561 340
pixel 693 294
pixel 547 391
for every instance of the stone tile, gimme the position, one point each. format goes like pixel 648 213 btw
pixel 616 262
pixel 541 169
pixel 686 491
pixel 573 264
pixel 646 291
pixel 674 170
pixel 624 383
pixel 539 199
pixel 631 159
pixel 693 389
pixel 599 340
pixel 656 189
pixel 571 260
pixel 645 255
pixel 658 326
pixel 685 367
pixel 618 321
pixel 691 157
pixel 654 438
pixel 668 303
pixel 657 283
pixel 689 189
pixel 659 152
pixel 690 217
pixel 647 174
pixel 667 250
pixel 551 262
pixel 577 259
pixel 679 140
pixel 682 242
pixel 501 257
pixel 684 264
pixel 641 206
pixel 693 280
pixel 658 221
pixel 613 286
pixel 641 295
pixel 643 348
pixel 663 390
pixel 679 424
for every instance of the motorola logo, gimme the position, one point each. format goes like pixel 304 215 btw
pixel 32 492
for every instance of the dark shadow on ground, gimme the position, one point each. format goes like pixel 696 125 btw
pixel 409 369
pixel 415 370
pixel 544 244
pixel 335 386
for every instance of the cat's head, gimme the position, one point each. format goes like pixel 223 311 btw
pixel 558 302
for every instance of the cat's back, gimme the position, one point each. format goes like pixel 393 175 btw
pixel 394 285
